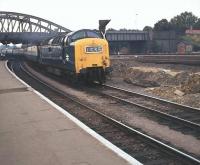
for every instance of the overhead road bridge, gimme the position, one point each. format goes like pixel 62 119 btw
pixel 128 35
pixel 128 41
pixel 24 28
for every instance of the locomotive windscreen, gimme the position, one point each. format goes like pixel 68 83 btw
pixel 85 34
pixel 91 34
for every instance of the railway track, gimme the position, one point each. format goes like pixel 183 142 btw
pixel 179 117
pixel 188 116
pixel 165 59
pixel 182 111
pixel 139 145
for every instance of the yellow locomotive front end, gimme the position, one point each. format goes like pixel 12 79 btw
pixel 92 60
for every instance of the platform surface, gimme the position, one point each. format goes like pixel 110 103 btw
pixel 32 132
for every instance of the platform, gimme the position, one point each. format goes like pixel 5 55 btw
pixel 32 132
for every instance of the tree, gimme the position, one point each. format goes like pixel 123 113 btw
pixel 162 25
pixel 123 29
pixel 111 29
pixel 147 28
pixel 183 21
pixel 197 24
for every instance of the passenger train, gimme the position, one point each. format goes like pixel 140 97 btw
pixel 83 54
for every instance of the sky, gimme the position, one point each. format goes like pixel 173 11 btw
pixel 78 14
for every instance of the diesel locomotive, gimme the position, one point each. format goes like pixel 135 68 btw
pixel 83 54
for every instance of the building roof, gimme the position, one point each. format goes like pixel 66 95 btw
pixel 189 31
pixel 185 42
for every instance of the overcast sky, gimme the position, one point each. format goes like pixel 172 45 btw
pixel 77 14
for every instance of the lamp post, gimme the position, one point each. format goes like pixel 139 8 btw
pixel 136 15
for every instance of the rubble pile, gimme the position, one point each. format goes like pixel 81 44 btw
pixel 192 85
pixel 179 83
pixel 119 69
pixel 154 77
pixel 164 92
pixel 190 99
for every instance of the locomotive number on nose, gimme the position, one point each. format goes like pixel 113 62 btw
pixel 93 49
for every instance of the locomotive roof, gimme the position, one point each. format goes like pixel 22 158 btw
pixel 60 37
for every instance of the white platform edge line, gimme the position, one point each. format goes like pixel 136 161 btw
pixel 101 139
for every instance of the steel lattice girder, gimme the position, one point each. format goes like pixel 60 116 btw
pixel 18 22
